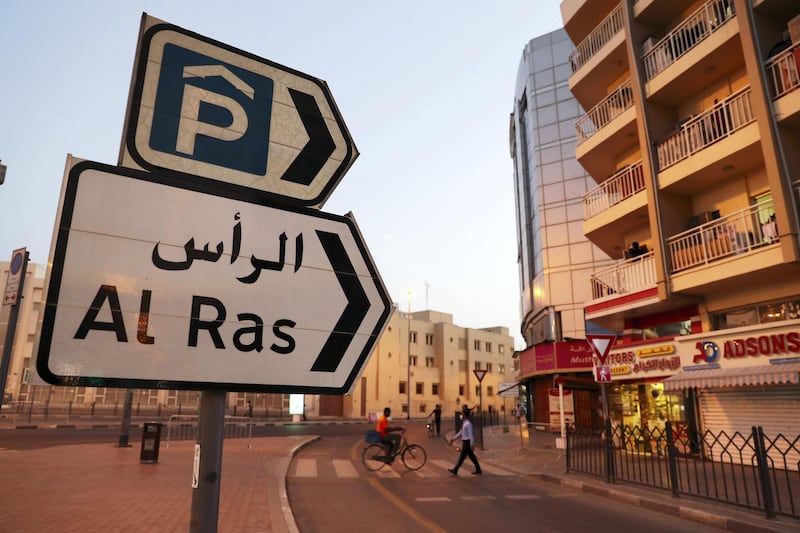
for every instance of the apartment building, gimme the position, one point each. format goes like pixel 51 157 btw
pixel 555 259
pixel 423 359
pixel 692 137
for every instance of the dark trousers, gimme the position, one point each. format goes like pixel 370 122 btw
pixel 438 422
pixel 466 451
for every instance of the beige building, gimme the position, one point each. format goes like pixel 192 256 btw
pixel 692 136
pixel 443 359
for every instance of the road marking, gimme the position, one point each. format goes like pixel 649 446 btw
pixel 434 499
pixel 478 498
pixel 522 497
pixel 306 468
pixel 344 468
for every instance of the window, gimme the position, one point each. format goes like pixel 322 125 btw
pixel 501 348
pixel 477 365
pixel 435 389
pixel 490 391
pixel 489 367
pixel 501 369
pixel 420 388
pixel 401 387
pixel 423 408
pixel 489 347
pixel 462 365
pixel 429 339
pixel 413 360
pixel 477 390
pixel 477 345
pixel 462 343
pixel 461 389
pixel 412 337
pixel 429 362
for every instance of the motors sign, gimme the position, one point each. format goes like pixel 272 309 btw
pixel 210 111
pixel 156 284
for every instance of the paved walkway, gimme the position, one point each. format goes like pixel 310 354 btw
pixel 100 487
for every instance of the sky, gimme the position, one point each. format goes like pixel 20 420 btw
pixel 425 88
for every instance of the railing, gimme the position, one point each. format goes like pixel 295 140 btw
pixel 184 427
pixel 628 276
pixel 699 25
pixel 622 185
pixel 734 234
pixel 604 32
pixel 604 112
pixel 751 470
pixel 782 72
pixel 700 131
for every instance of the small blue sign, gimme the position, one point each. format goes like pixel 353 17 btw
pixel 211 111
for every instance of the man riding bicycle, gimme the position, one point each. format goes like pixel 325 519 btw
pixel 386 431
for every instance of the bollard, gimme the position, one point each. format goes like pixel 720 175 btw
pixel 151 440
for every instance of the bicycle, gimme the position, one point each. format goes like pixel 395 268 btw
pixel 431 429
pixel 376 455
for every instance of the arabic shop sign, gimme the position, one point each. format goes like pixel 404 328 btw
pixel 650 360
pixel 553 356
pixel 158 285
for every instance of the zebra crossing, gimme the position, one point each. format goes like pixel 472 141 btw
pixel 348 469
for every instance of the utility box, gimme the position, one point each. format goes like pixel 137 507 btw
pixel 151 440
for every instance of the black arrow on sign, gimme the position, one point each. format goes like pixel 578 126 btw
pixel 320 144
pixel 357 305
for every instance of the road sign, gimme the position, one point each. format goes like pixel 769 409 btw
pixel 156 284
pixel 14 274
pixel 208 110
pixel 601 345
pixel 508 389
pixel 479 374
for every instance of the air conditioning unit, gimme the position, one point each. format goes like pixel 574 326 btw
pixel 648 44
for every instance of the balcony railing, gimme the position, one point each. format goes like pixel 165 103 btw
pixel 604 112
pixel 623 184
pixel 604 32
pixel 738 233
pixel 628 276
pixel 782 72
pixel 702 130
pixel 699 25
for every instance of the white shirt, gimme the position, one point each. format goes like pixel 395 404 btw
pixel 466 432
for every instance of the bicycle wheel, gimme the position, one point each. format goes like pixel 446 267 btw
pixel 414 457
pixel 374 457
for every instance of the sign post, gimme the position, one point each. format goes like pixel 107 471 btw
pixel 480 374
pixel 13 296
pixel 601 346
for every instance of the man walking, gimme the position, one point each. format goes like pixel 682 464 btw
pixel 467 437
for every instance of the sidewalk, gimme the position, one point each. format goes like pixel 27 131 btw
pixel 100 487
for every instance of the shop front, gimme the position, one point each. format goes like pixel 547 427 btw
pixel 637 399
pixel 742 377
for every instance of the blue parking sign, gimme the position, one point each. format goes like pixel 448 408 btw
pixel 211 111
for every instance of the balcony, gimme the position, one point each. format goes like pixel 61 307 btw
pixel 728 136
pixel 619 187
pixel 783 79
pixel 604 112
pixel 599 59
pixel 702 48
pixel 629 276
pixel 740 233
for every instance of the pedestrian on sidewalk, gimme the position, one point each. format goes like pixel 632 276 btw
pixel 467 436
pixel 437 418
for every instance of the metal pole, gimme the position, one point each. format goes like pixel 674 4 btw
pixel 124 430
pixel 11 330
pixel 208 469
pixel 408 384
pixel 483 418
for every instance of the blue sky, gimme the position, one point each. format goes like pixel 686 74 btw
pixel 425 88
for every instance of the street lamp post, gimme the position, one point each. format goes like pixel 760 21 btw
pixel 408 369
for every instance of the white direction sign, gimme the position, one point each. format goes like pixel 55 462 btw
pixel 211 111
pixel 155 284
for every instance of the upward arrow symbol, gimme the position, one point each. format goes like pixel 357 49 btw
pixel 320 144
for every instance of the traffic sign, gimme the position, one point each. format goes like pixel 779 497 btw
pixel 601 345
pixel 14 275
pixel 157 284
pixel 210 111
pixel 479 374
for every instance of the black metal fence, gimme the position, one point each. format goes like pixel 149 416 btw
pixel 750 470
